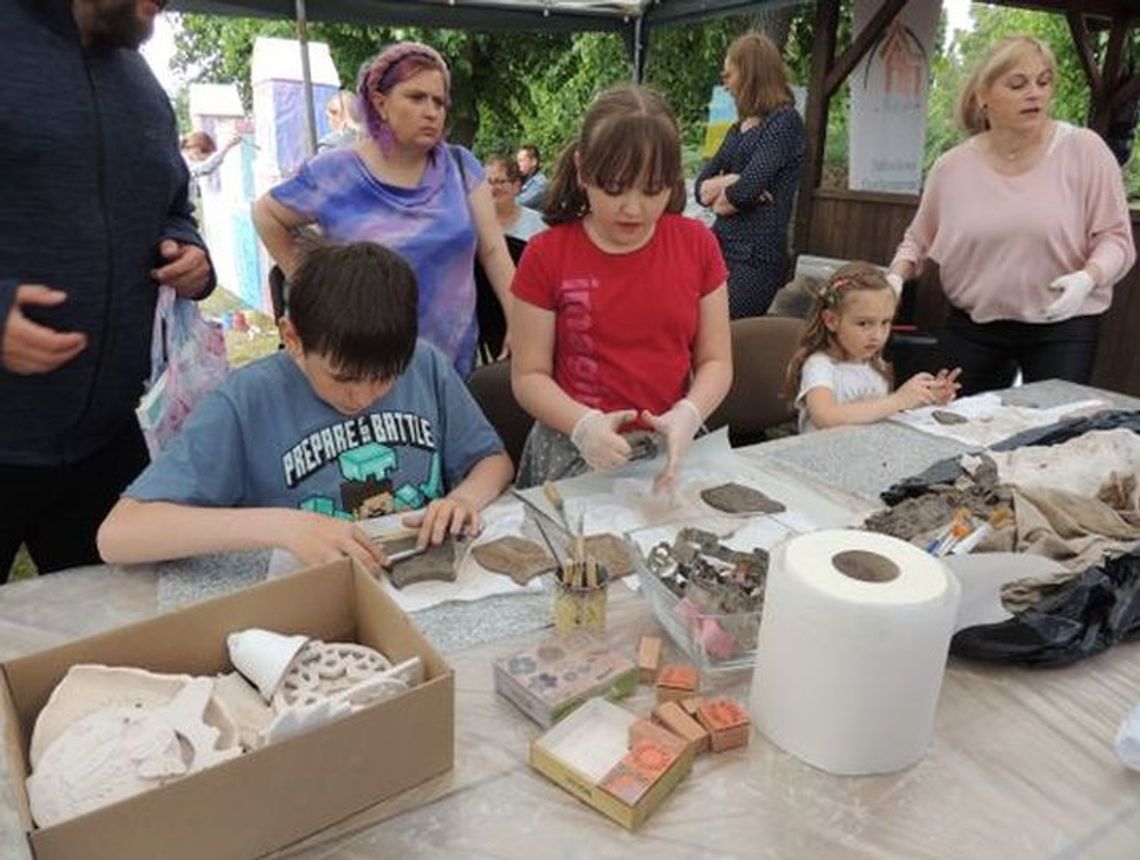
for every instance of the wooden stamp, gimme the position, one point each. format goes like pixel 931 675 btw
pixel 726 722
pixel 647 730
pixel 649 658
pixel 676 682
pixel 673 717
pixel 691 704
pixel 635 774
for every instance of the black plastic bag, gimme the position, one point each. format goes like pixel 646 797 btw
pixel 1081 618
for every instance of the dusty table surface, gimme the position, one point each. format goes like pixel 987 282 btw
pixel 1021 764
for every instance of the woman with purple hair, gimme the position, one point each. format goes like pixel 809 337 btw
pixel 403 186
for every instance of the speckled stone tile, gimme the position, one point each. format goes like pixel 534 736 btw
pixel 450 626
pixel 457 626
pixel 865 460
pixel 191 580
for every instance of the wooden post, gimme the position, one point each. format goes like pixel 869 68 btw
pixel 815 126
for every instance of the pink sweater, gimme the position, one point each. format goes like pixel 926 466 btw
pixel 1001 240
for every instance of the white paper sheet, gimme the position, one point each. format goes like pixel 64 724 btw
pixel 472 582
pixel 990 421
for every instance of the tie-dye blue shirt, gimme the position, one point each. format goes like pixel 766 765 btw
pixel 430 225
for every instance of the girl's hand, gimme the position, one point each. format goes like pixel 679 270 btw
pixel 920 390
pixel 597 439
pixel 947 385
pixel 315 538
pixel 451 515
pixel 679 425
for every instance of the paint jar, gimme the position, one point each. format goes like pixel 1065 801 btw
pixel 578 605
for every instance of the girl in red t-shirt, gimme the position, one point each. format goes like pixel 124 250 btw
pixel 620 319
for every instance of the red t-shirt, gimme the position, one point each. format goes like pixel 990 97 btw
pixel 625 322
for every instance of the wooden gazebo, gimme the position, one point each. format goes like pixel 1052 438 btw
pixel 869 225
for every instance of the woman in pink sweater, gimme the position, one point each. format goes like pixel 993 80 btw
pixel 1028 222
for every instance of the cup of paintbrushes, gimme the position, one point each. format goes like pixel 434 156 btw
pixel 580 596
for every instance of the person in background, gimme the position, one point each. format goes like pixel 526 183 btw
pixel 838 375
pixel 343 112
pixel 203 157
pixel 751 181
pixel 621 313
pixel 534 182
pixel 355 418
pixel 1028 221
pixel 503 176
pixel 403 186
pixel 94 215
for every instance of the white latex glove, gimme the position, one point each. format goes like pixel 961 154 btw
pixel 896 282
pixel 679 425
pixel 1074 288
pixel 596 437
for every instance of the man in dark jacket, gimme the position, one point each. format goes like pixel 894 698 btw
pixel 94 214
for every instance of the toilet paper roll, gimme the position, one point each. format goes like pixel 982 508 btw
pixel 852 649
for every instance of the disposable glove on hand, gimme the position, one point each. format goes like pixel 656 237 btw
pixel 679 425
pixel 896 282
pixel 1074 288
pixel 596 437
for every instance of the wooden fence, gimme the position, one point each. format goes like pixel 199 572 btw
pixel 868 226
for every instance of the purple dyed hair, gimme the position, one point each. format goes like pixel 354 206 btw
pixel 394 65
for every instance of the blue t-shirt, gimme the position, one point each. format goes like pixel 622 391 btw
pixel 264 438
pixel 429 225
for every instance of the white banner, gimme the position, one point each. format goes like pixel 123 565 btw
pixel 887 130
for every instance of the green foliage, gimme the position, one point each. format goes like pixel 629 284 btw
pixel 511 88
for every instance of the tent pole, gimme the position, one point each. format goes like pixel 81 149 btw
pixel 306 77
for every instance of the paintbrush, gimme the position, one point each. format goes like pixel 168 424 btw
pixel 997 519
pixel 555 498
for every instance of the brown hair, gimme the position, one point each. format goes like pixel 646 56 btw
pixel 628 131
pixel 851 277
pixel 969 112
pixel 509 165
pixel 763 76
pixel 201 141
pixel 356 305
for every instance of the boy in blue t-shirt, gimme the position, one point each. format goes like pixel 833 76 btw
pixel 354 419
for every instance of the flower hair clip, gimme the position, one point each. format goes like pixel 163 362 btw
pixel 832 289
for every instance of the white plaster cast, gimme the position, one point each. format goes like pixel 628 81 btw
pixel 264 656
pixel 244 703
pixel 89 687
pixel 119 751
pixel 324 669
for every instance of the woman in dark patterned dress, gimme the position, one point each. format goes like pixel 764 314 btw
pixel 751 181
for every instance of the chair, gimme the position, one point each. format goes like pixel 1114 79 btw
pixel 490 385
pixel 488 311
pixel 761 350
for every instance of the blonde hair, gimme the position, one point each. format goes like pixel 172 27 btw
pixel 856 276
pixel 763 76
pixel 970 113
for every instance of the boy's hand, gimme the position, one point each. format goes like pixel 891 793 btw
pixel 314 538
pixel 920 390
pixel 946 385
pixel 597 438
pixel 450 515
pixel 679 425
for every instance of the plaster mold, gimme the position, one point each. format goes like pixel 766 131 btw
pixel 263 656
pixel 89 687
pixel 118 751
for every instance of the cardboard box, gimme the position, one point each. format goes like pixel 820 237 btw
pixel 263 800
pixel 548 680
pixel 589 749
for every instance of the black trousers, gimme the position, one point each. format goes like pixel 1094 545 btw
pixel 991 353
pixel 56 510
